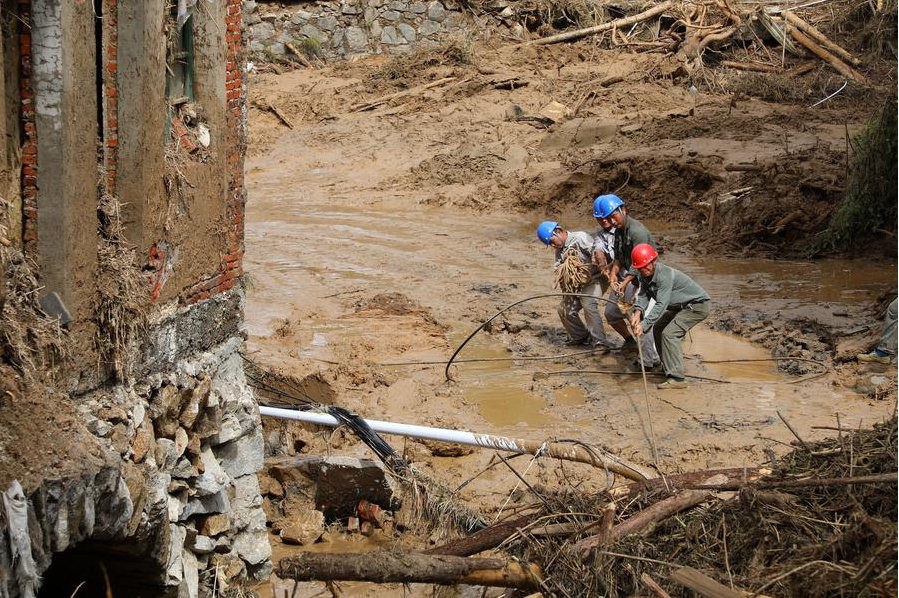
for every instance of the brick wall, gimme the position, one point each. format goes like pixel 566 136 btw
pixel 110 92
pixel 236 142
pixel 29 142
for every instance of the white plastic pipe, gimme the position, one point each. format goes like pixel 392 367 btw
pixel 570 452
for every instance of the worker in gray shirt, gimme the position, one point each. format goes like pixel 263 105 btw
pixel 628 233
pixel 680 304
pixel 580 244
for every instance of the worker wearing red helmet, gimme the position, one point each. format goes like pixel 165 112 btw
pixel 680 304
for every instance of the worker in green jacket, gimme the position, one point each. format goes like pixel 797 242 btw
pixel 628 233
pixel 680 304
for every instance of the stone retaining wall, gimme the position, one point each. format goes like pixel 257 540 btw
pixel 334 29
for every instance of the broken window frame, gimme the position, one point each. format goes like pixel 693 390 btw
pixel 179 78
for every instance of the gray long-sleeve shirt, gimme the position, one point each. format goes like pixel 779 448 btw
pixel 671 288
pixel 582 243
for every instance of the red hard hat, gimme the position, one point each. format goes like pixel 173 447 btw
pixel 643 255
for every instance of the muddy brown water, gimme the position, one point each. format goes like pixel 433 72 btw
pixel 326 236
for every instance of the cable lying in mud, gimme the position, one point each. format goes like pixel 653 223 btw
pixel 446 371
pixel 452 359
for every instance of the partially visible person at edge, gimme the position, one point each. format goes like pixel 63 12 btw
pixel 885 351
pixel 629 232
pixel 589 331
pixel 680 304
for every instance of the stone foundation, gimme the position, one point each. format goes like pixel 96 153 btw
pixel 179 510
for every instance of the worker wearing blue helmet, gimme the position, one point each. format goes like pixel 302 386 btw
pixel 629 233
pixel 588 331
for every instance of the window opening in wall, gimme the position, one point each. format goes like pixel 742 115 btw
pixel 179 81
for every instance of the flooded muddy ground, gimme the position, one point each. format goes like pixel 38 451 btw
pixel 378 241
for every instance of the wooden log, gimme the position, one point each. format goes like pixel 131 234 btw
pixel 363 106
pixel 801 69
pixel 751 66
pixel 880 478
pixel 702 584
pixel 840 66
pixel 784 222
pixel 484 539
pixel 653 586
pixel 616 24
pixel 736 475
pixel 409 567
pixel 755 167
pixel 819 37
pixel 651 515
pixel 268 107
pixel 300 57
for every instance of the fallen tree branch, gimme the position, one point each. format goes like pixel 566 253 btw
pixel 819 37
pixel 481 540
pixel 300 57
pixel 881 478
pixel 736 475
pixel 702 584
pixel 840 66
pixel 651 515
pixel 362 107
pixel 751 66
pixel 268 107
pixel 616 24
pixel 409 567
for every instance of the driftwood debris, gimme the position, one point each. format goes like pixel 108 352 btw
pixel 840 66
pixel 616 24
pixel 654 587
pixel 702 584
pixel 300 57
pixel 650 516
pixel 409 567
pixel 363 106
pixel 269 107
pixel 733 475
pixel 751 66
pixel 819 37
pixel 485 539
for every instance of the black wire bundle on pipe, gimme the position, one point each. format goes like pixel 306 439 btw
pixel 439 503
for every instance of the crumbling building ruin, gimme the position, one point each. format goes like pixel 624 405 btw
pixel 129 439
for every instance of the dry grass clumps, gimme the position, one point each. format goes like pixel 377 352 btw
pixel 121 299
pixel 453 52
pixel 29 339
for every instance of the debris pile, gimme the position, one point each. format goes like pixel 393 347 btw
pixel 823 523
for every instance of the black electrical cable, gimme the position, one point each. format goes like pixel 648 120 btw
pixel 505 309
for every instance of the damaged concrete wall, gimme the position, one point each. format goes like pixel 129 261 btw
pixel 171 504
pixel 65 109
pixel 140 124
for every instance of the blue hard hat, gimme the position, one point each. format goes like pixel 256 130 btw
pixel 604 205
pixel 545 230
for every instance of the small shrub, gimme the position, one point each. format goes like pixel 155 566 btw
pixel 870 201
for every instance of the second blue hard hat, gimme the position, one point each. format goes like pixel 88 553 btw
pixel 604 205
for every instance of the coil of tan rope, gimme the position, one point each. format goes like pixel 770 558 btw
pixel 571 274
